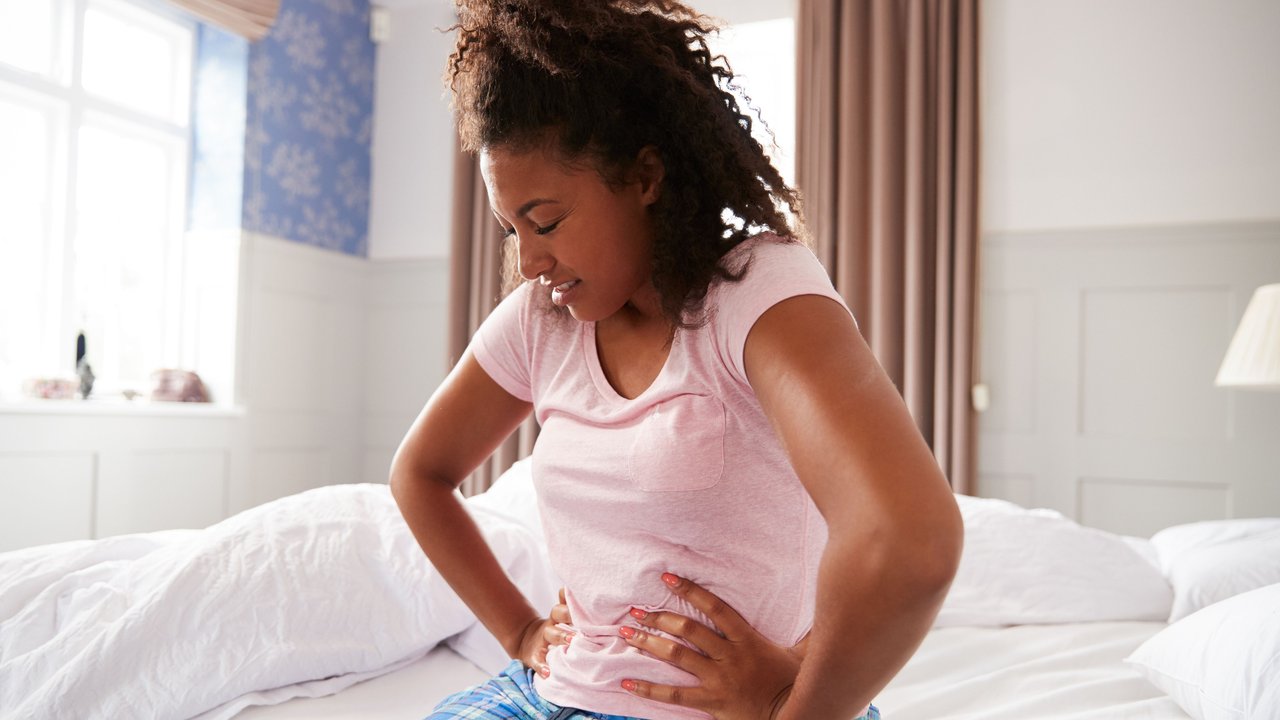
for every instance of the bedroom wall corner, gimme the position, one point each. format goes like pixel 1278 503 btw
pixel 407 326
pixel 301 355
pixel 338 355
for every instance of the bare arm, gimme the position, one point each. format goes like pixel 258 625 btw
pixel 895 532
pixel 462 423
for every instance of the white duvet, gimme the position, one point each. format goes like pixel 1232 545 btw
pixel 302 596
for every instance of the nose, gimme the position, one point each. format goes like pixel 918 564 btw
pixel 535 261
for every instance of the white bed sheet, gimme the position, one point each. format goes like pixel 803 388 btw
pixel 1026 672
pixel 409 693
pixel 1023 672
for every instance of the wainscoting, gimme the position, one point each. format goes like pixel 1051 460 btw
pixel 334 357
pixel 1100 348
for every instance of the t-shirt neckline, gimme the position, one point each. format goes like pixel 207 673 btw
pixel 603 386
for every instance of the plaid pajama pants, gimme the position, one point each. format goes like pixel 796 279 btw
pixel 510 696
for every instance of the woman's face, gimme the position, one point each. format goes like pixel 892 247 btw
pixel 588 245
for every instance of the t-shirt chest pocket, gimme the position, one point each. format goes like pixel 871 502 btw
pixel 679 446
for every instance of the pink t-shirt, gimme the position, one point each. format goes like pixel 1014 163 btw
pixel 688 477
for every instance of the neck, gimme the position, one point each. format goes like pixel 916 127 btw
pixel 643 310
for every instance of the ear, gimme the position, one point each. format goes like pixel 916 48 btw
pixel 650 171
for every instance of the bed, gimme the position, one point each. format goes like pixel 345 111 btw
pixel 251 618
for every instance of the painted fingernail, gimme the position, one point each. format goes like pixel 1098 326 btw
pixel 544 671
pixel 629 685
pixel 627 632
pixel 570 637
pixel 670 579
pixel 638 614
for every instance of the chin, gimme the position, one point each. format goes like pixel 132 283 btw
pixel 582 314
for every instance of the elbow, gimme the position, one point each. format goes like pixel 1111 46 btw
pixel 946 553
pixel 939 543
pixel 402 478
pixel 411 481
pixel 919 549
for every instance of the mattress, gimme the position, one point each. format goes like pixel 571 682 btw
pixel 1044 672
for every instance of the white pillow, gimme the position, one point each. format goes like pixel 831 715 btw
pixel 1211 561
pixel 1026 567
pixel 1223 662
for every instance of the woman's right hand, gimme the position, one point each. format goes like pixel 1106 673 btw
pixel 542 633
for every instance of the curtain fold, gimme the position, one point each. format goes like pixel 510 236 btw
pixel 476 263
pixel 887 163
pixel 251 19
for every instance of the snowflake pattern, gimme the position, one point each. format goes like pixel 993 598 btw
pixel 326 109
pixel 302 38
pixel 324 227
pixel 277 95
pixel 353 190
pixel 310 126
pixel 356 65
pixel 295 168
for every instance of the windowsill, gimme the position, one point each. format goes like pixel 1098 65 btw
pixel 113 406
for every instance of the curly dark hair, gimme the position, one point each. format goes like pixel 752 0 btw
pixel 599 80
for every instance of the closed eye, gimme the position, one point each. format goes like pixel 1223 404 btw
pixel 547 229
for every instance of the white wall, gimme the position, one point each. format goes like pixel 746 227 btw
pixel 1129 112
pixel 410 192
pixel 1130 205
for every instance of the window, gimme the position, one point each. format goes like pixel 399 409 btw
pixel 95 100
pixel 762 54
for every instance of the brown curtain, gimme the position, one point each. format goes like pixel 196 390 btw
pixel 247 18
pixel 887 150
pixel 475 287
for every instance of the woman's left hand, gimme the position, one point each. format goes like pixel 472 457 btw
pixel 742 674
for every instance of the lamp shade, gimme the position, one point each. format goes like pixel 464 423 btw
pixel 1253 358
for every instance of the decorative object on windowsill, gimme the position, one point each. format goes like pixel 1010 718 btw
pixel 178 386
pixel 82 368
pixel 1253 358
pixel 51 388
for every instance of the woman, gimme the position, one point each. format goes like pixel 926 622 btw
pixel 747 521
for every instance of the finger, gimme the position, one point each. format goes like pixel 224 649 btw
pixel 678 654
pixel 552 635
pixel 539 663
pixel 731 624
pixel 695 633
pixel 560 614
pixel 694 697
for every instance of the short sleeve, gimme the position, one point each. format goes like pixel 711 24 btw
pixel 776 269
pixel 500 348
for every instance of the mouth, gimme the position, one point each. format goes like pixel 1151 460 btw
pixel 562 294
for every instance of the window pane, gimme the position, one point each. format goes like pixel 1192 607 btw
pixel 763 57
pixel 25 198
pixel 28 34
pixel 140 61
pixel 123 222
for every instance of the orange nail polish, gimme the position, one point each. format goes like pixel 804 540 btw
pixel 638 614
pixel 629 685
pixel 670 579
pixel 627 632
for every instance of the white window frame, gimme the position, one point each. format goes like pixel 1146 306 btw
pixel 62 96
